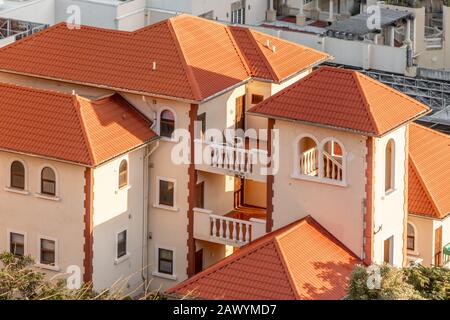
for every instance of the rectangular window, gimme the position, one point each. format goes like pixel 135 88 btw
pixel 165 261
pixel 17 243
pixel 257 98
pixel 48 252
pixel 166 193
pixel 121 244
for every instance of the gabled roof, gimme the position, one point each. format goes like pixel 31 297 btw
pixel 299 261
pixel 342 99
pixel 194 58
pixel 429 172
pixel 68 127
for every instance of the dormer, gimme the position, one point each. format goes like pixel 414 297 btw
pixel 343 159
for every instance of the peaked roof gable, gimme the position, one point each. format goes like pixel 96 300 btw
pixel 429 185
pixel 342 99
pixel 184 57
pixel 67 127
pixel 299 261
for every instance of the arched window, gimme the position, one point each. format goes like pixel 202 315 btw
pixel 123 174
pixel 166 124
pixel 411 237
pixel 333 159
pixel 308 157
pixel 389 177
pixel 48 181
pixel 17 175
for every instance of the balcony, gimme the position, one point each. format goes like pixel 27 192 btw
pixel 236 228
pixel 231 160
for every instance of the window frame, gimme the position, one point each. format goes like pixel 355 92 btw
pixel 54 267
pixel 24 175
pixel 8 240
pixel 156 272
pixel 390 142
pixel 127 254
pixel 413 251
pixel 253 97
pixel 54 182
pixel 158 191
pixel 160 121
pixel 120 187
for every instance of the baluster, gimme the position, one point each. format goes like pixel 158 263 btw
pixel 241 233
pixel 333 170
pixel 214 227
pixel 234 230
pixel 220 228
pixel 227 229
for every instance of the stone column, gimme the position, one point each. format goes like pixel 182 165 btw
pixel 408 32
pixel 271 14
pixel 392 36
pixel 331 13
pixel 300 18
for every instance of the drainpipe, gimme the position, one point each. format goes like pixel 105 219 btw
pixel 145 210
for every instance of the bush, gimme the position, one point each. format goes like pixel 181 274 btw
pixel 19 281
pixel 390 283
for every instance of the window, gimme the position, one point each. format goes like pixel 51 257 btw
pixel 257 98
pixel 48 252
pixel 17 175
pixel 201 126
pixel 121 244
pixel 308 157
pixel 411 237
pixel 48 181
pixel 123 174
pixel 167 124
pixel 17 243
pixel 389 166
pixel 165 261
pixel 332 160
pixel 166 193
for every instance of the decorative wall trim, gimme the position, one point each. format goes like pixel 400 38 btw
pixel 370 183
pixel 88 225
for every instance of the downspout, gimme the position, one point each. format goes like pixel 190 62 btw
pixel 145 207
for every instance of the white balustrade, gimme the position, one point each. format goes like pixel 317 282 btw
pixel 225 228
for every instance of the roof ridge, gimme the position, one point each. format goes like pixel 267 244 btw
pixel 238 50
pixel 355 76
pixel 424 186
pixel 195 88
pixel 87 140
pixel 283 260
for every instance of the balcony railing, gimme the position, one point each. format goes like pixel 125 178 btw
pixel 219 158
pixel 226 230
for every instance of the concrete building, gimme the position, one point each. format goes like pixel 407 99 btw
pixel 157 212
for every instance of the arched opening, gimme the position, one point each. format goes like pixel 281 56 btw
pixel 48 181
pixel 166 124
pixel 308 157
pixel 411 237
pixel 17 175
pixel 333 159
pixel 389 173
pixel 123 174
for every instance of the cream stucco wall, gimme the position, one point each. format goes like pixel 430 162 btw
pixel 338 208
pixel 219 191
pixel 389 212
pixel 29 214
pixel 424 238
pixel 116 210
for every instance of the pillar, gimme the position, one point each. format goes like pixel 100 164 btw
pixel 271 14
pixel 300 18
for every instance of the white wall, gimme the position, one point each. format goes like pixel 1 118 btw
pixel 61 219
pixel 338 208
pixel 115 210
pixel 389 212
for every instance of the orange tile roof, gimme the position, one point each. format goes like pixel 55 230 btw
pixel 342 99
pixel 195 58
pixel 68 127
pixel 429 172
pixel 299 261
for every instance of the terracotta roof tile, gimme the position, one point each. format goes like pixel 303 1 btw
pixel 342 99
pixel 195 58
pixel 429 171
pixel 299 261
pixel 67 127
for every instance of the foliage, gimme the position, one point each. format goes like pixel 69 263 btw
pixel 20 281
pixel 413 283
